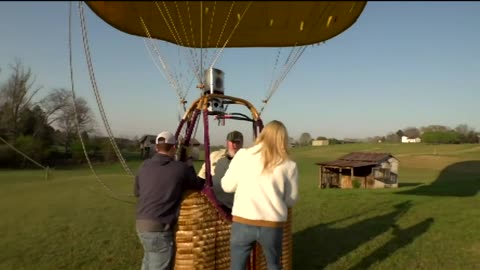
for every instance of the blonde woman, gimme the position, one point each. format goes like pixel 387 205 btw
pixel 265 182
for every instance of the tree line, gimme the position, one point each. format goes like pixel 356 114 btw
pixel 433 134
pixel 45 128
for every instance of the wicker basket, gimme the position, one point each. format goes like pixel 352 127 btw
pixel 203 238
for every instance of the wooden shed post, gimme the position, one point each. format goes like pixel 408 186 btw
pixel 320 171
pixel 340 178
pixel 351 175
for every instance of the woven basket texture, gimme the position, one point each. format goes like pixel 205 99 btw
pixel 203 238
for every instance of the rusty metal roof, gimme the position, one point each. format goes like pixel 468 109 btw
pixel 346 163
pixel 357 159
pixel 364 156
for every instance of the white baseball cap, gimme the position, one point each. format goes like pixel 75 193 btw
pixel 167 137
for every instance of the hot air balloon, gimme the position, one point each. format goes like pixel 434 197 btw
pixel 202 235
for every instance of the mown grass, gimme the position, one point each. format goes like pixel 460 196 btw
pixel 431 222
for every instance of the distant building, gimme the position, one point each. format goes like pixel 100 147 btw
pixel 147 146
pixel 370 170
pixel 320 142
pixel 406 139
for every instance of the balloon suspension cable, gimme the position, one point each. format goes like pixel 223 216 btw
pixel 292 59
pixel 215 49
pixel 190 50
pixel 230 36
pixel 97 94
pixel 193 53
pixel 170 78
pixel 201 41
pixel 196 127
pixel 295 54
pixel 175 33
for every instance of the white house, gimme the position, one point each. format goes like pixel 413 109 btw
pixel 406 139
pixel 320 142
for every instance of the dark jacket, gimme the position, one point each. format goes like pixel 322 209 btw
pixel 159 185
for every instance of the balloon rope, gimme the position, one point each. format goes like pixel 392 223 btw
pixel 221 33
pixel 291 60
pixel 97 94
pixel 195 56
pixel 231 34
pixel 165 67
pixel 175 33
pixel 77 125
pixel 190 50
pixel 274 68
pixel 21 153
pixel 211 23
pixel 225 24
pixel 293 57
pixel 201 41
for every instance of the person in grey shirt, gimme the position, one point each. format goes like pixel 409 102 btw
pixel 220 160
pixel 159 185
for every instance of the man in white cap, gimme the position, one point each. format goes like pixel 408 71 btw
pixel 220 160
pixel 159 186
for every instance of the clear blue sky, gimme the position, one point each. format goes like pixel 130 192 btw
pixel 402 64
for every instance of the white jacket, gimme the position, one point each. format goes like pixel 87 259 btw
pixel 219 163
pixel 261 199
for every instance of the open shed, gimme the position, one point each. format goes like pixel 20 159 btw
pixel 370 170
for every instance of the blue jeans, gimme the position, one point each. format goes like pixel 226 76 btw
pixel 243 238
pixel 159 250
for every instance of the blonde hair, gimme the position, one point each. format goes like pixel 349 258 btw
pixel 274 140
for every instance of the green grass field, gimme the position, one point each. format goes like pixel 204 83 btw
pixel 432 221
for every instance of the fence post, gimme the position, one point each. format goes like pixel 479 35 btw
pixel 46 173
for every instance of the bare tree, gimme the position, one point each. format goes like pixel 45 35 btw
pixel 399 133
pixel 435 128
pixel 392 137
pixel 56 101
pixel 411 132
pixel 464 129
pixel 466 134
pixel 60 112
pixel 291 141
pixel 16 96
pixel 305 139
pixel 67 123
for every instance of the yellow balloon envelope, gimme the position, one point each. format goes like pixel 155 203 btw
pixel 214 24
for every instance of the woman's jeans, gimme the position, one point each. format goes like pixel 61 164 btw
pixel 159 250
pixel 243 238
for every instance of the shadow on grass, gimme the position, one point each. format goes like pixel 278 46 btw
pixel 409 184
pixel 319 246
pixel 402 238
pixel 460 179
